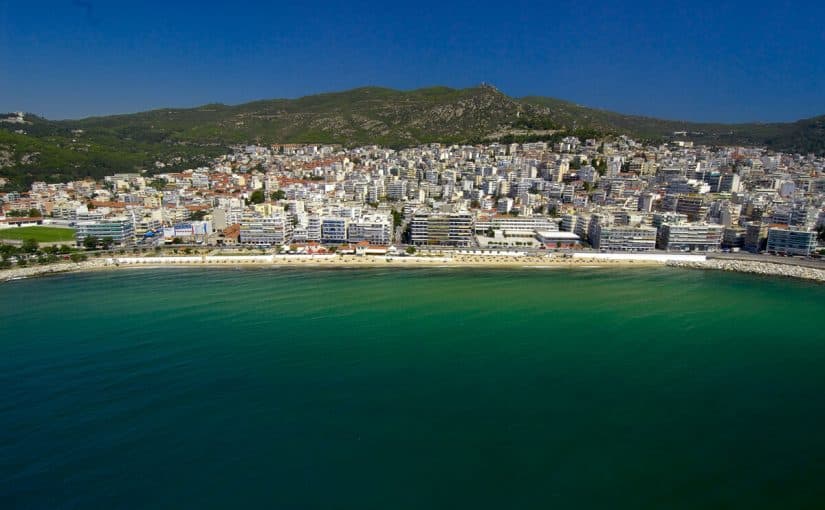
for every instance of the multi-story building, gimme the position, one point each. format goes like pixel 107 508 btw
pixel 693 206
pixel 526 224
pixel 733 237
pixel 504 205
pixel 274 230
pixel 397 190
pixel 568 222
pixel 442 229
pixel 756 235
pixel 622 238
pixel 729 183
pixel 334 230
pixel 313 228
pixel 120 230
pixel 791 242
pixel 374 228
pixel 660 218
pixel 689 237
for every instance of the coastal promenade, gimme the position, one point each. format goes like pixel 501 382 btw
pixel 453 259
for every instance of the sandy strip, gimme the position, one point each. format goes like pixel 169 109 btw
pixel 353 262
pixel 346 261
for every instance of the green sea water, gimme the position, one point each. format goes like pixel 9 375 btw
pixel 420 388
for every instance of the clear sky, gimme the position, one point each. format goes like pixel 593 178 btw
pixel 712 61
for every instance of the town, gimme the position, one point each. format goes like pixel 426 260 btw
pixel 604 195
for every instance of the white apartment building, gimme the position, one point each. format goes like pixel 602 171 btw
pixel 265 231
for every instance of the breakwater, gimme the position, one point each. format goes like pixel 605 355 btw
pixel 754 267
pixel 18 273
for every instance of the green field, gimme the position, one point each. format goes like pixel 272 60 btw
pixel 39 234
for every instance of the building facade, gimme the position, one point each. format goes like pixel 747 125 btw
pixel 690 237
pixel 622 238
pixel 120 230
pixel 791 242
pixel 265 231
pixel 442 229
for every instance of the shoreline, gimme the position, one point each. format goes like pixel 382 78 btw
pixel 582 261
pixel 21 273
pixel 757 268
pixel 313 261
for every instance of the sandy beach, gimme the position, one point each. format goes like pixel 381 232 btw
pixel 342 261
pixel 582 261
pixel 376 261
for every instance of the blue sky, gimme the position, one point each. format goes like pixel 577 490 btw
pixel 711 61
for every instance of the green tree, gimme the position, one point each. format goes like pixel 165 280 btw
pixel 257 197
pixel 107 242
pixel 7 250
pixel 197 215
pixel 30 246
pixel 90 242
pixel 410 250
pixel 278 195
pixel 158 184
pixel 77 257
pixel 34 213
pixel 397 218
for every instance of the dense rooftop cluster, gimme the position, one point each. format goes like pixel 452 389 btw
pixel 612 194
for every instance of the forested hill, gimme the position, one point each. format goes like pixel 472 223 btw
pixel 41 149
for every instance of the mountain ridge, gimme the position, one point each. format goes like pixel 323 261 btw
pixel 54 150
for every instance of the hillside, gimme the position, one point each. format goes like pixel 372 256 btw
pixel 807 135
pixel 96 146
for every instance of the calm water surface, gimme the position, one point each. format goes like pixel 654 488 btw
pixel 421 388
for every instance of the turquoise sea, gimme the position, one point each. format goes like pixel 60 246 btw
pixel 420 388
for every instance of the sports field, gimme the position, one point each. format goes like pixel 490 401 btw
pixel 39 234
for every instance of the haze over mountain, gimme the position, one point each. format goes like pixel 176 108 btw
pixel 41 149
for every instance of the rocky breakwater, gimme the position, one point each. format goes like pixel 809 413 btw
pixel 750 266
pixel 19 273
